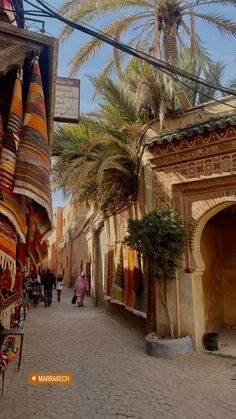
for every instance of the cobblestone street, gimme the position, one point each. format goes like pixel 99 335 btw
pixel 112 375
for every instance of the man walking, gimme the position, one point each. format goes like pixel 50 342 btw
pixel 48 282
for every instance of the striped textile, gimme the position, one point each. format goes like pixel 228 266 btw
pixel 118 262
pixel 31 239
pixel 128 263
pixel 41 219
pixel 109 269
pixel 11 140
pixel 21 254
pixel 13 206
pixel 40 246
pixel 32 175
pixel 8 244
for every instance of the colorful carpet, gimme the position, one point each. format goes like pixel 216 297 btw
pixel 128 264
pixel 13 207
pixel 21 254
pixel 31 239
pixel 41 219
pixel 32 175
pixel 109 269
pixel 11 140
pixel 8 244
pixel 40 246
pixel 118 266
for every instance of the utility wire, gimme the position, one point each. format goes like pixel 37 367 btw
pixel 165 67
pixel 139 54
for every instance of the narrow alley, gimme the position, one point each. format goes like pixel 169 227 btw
pixel 112 375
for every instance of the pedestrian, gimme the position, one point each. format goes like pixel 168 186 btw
pixel 48 283
pixel 81 286
pixel 59 285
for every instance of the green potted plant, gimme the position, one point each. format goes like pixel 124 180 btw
pixel 160 236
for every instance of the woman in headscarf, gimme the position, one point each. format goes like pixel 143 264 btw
pixel 81 286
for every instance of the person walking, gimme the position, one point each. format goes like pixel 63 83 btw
pixel 59 286
pixel 81 286
pixel 48 283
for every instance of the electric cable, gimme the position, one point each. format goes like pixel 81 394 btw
pixel 165 67
pixel 139 54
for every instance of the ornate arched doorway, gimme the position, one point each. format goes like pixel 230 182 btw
pixel 218 249
pixel 214 257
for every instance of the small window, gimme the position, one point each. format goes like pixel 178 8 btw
pixel 67 261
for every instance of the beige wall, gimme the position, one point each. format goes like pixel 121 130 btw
pixel 68 246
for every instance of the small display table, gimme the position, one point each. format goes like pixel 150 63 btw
pixel 13 332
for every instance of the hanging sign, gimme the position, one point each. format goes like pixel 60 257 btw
pixel 67 100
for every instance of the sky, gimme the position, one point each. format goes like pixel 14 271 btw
pixel 221 48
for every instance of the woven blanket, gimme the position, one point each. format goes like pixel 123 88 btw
pixel 40 246
pixel 21 254
pixel 41 219
pixel 31 239
pixel 8 243
pixel 11 140
pixel 128 264
pixel 32 174
pixel 118 263
pixel 109 269
pixel 13 207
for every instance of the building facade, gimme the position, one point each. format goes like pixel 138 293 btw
pixel 188 166
pixel 68 250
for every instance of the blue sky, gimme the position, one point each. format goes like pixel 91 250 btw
pixel 221 48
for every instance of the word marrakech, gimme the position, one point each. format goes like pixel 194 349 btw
pixel 50 378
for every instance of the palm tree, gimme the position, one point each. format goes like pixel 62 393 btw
pixel 98 160
pixel 211 71
pixel 155 24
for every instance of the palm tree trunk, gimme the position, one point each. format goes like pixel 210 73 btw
pixel 192 42
pixel 157 32
pixel 170 42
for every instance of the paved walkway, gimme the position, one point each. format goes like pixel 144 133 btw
pixel 112 376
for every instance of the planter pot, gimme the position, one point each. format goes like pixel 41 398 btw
pixel 167 348
pixel 211 341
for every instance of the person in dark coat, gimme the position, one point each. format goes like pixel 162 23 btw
pixel 48 281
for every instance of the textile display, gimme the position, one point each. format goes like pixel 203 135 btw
pixel 118 277
pixel 118 265
pixel 41 219
pixel 32 174
pixel 8 244
pixel 13 207
pixel 11 140
pixel 21 253
pixel 18 280
pixel 40 246
pixel 128 264
pixel 31 239
pixel 137 276
pixel 109 269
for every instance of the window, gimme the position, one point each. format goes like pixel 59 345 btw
pixel 67 261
